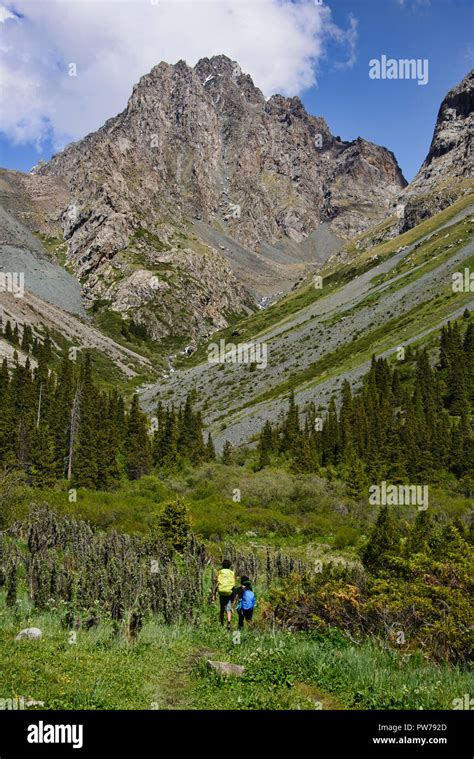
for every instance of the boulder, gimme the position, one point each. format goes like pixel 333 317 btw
pixel 29 632
pixel 225 668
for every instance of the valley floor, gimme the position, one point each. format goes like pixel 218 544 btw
pixel 166 668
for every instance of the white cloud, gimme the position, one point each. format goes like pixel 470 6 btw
pixel 469 55
pixel 4 14
pixel 412 4
pixel 112 43
pixel 349 38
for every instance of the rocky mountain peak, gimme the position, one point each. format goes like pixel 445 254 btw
pixel 207 132
pixel 454 130
pixel 450 159
pixel 201 176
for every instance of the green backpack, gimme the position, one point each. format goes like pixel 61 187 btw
pixel 225 581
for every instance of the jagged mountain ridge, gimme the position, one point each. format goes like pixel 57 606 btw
pixel 451 150
pixel 202 146
pixel 391 293
pixel 191 126
pixel 444 177
pixel 180 275
pixel 449 161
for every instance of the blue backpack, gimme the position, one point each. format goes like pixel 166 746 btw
pixel 248 599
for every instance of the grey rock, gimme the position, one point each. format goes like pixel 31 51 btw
pixel 450 158
pixel 226 668
pixel 33 633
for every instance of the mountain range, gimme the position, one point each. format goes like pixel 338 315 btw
pixel 201 204
pixel 202 197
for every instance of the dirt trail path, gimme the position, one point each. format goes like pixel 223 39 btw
pixel 174 690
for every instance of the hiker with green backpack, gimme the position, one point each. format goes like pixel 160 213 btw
pixel 225 586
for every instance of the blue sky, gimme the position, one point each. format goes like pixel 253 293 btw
pixel 397 114
pixel 319 53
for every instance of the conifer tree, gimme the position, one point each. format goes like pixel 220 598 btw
pixel 41 458
pixel 175 524
pixel 7 418
pixel 167 443
pixel 330 435
pixel 383 541
pixel 468 345
pixel 27 338
pixel 227 453
pixel 210 450
pixel 85 472
pixel 457 385
pixel 108 445
pixel 265 445
pixel 420 533
pixel 346 417
pixel 291 427
pixel 355 476
pixel 302 455
pixel 8 332
pixel 138 452
pixel 187 430
pixel 58 412
pixel 198 453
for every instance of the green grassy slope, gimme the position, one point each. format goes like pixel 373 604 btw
pixel 393 294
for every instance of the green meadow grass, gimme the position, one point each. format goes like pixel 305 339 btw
pixel 165 668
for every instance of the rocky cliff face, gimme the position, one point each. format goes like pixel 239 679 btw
pixel 201 141
pixel 452 148
pixel 450 160
pixel 201 148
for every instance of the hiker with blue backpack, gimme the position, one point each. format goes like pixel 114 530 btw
pixel 246 601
